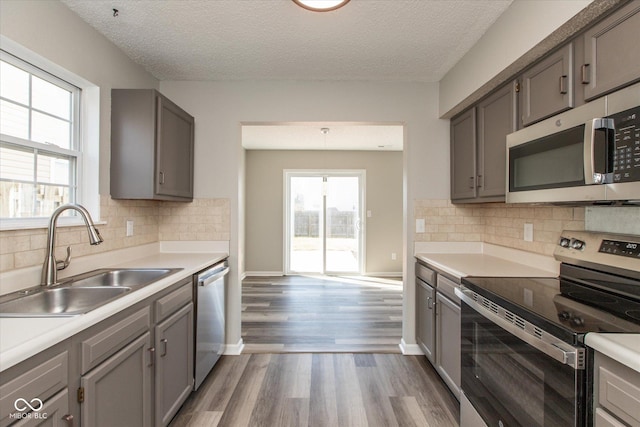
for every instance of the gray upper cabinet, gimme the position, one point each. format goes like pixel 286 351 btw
pixel 463 155
pixel 611 53
pixel 151 147
pixel 547 87
pixel 478 147
pixel 496 119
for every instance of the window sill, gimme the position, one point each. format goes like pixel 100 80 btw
pixel 42 223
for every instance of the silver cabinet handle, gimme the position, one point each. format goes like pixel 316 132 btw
pixel 563 86
pixel 429 303
pixel 471 182
pixel 479 181
pixel 584 74
pixel 152 354
pixel 164 342
pixel 69 419
pixel 161 178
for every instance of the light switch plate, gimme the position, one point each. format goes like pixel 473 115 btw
pixel 129 228
pixel 420 225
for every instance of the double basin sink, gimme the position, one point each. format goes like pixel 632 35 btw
pixel 79 294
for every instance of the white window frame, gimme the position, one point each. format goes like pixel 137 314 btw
pixel 87 133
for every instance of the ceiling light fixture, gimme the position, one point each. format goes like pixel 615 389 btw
pixel 321 5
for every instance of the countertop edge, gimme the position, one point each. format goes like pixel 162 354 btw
pixel 54 332
pixel 619 347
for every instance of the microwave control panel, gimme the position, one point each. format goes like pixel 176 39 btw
pixel 626 159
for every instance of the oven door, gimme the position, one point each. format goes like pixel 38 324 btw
pixel 509 379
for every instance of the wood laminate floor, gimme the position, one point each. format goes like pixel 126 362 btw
pixel 333 390
pixel 321 314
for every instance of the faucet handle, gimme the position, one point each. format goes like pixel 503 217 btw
pixel 61 265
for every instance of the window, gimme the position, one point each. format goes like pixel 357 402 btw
pixel 40 154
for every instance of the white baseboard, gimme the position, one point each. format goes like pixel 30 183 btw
pixel 383 274
pixel 410 349
pixel 234 349
pixel 263 273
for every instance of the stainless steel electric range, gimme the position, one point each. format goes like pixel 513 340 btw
pixel 524 361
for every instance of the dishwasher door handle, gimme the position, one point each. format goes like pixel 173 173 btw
pixel 207 280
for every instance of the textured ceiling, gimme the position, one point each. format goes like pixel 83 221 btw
pixel 308 136
pixel 392 40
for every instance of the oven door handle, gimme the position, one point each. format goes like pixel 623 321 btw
pixel 549 345
pixel 212 276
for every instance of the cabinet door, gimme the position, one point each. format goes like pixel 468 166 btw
pixel 174 150
pixel 426 319
pixel 174 367
pixel 463 156
pixel 448 342
pixel 496 119
pixel 612 55
pixel 547 87
pixel 118 391
pixel 54 413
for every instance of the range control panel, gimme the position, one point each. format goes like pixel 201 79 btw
pixel 602 249
pixel 626 158
pixel 617 247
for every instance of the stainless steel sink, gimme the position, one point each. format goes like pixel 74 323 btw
pixel 131 277
pixel 79 294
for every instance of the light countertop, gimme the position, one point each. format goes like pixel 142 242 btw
pixel 21 338
pixel 486 260
pixel 625 348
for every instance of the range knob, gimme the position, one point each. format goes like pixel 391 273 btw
pixel 564 242
pixel 577 321
pixel 577 244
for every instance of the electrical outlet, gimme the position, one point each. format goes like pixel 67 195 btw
pixel 129 228
pixel 369 214
pixel 393 256
pixel 528 232
pixel 420 225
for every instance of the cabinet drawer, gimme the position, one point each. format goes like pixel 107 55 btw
pixel 619 391
pixel 426 274
pixel 448 288
pixel 603 419
pixel 108 341
pixel 175 300
pixel 41 382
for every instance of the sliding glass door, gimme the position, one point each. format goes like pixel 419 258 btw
pixel 324 229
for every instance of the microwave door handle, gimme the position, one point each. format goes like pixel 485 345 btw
pixel 599 172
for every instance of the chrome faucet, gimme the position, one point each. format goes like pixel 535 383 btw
pixel 51 266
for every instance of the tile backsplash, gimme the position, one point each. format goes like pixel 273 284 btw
pixel 499 224
pixel 203 219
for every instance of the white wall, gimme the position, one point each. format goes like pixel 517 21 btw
pixel 523 25
pixel 221 107
pixel 51 30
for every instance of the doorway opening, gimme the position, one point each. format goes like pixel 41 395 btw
pixel 324 226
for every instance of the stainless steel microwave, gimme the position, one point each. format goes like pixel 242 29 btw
pixel 590 154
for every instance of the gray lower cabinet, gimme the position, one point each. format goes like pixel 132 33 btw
pixel 35 393
pixel 611 53
pixel 118 392
pixel 55 413
pixel 152 147
pixel 438 324
pixel 174 367
pixel 426 319
pixel 616 393
pixel 448 334
pixel 547 87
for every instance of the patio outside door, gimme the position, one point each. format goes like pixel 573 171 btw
pixel 324 228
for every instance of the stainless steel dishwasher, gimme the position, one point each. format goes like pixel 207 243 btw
pixel 209 297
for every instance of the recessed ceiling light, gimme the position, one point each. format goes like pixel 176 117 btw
pixel 321 5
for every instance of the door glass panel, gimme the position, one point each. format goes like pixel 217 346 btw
pixel 306 204
pixel 343 222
